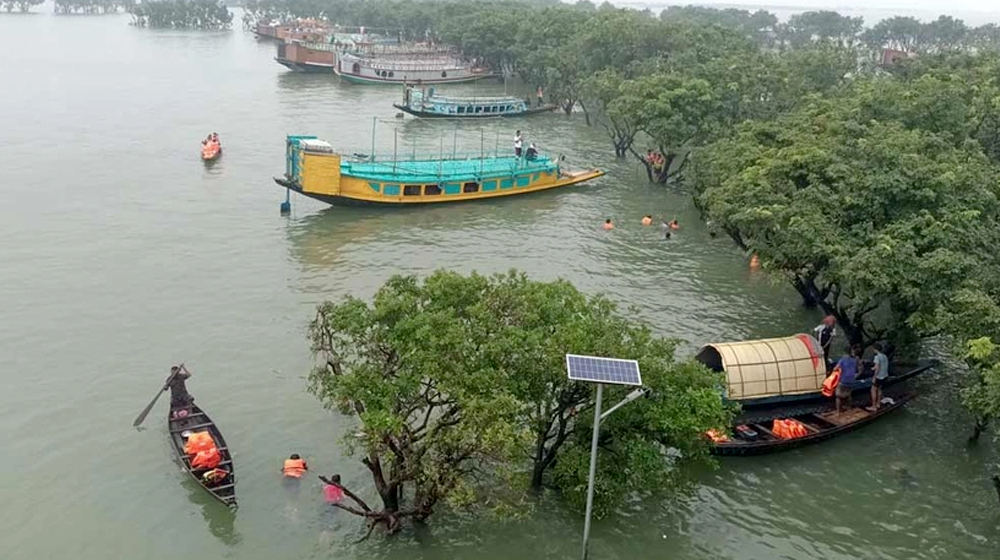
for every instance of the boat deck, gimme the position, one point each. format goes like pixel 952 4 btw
pixel 425 171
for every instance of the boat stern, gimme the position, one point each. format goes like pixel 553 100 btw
pixel 312 167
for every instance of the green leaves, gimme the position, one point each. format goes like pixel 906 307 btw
pixel 456 380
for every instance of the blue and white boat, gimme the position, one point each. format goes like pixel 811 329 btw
pixel 426 103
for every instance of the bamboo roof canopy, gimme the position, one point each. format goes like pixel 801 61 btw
pixel 769 367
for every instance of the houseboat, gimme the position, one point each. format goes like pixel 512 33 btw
pixel 314 169
pixel 298 30
pixel 425 102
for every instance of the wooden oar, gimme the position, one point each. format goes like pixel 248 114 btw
pixel 145 412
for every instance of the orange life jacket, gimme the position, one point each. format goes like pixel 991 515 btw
pixel 294 468
pixel 198 441
pixel 788 428
pixel 208 459
pixel 831 382
pixel 717 436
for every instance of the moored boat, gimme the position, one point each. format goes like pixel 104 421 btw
pixel 776 371
pixel 759 436
pixel 193 419
pixel 425 102
pixel 314 169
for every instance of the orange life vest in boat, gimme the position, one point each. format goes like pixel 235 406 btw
pixel 717 436
pixel 294 468
pixel 831 382
pixel 198 441
pixel 208 459
pixel 788 428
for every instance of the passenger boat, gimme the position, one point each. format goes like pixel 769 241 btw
pixel 211 151
pixel 427 103
pixel 379 63
pixel 301 29
pixel 775 371
pixel 314 169
pixel 196 421
pixel 755 436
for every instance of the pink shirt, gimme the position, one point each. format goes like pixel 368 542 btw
pixel 333 494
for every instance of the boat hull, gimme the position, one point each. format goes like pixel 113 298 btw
pixel 356 199
pixel 305 67
pixel 198 420
pixel 432 115
pixel 830 428
pixel 400 80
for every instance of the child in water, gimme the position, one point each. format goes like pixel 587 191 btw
pixel 608 225
pixel 647 220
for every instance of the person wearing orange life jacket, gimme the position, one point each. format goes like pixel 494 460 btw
pixel 294 467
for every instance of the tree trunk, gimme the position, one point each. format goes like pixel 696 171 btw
pixel 996 484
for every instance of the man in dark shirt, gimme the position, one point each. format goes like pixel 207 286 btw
pixel 179 396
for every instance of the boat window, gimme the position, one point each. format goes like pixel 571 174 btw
pixel 411 190
pixel 356 68
pixel 432 189
pixel 470 187
pixel 444 74
pixel 391 73
pixel 461 110
pixel 479 109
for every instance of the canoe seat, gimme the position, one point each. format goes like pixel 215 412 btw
pixel 195 427
pixel 215 489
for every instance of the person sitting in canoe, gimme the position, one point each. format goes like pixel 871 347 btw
pixel 179 396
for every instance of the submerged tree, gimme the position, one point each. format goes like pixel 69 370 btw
pixel 459 386
pixel 182 14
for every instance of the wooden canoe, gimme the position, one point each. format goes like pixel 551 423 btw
pixel 821 423
pixel 198 421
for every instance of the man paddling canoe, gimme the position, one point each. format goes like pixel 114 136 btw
pixel 179 396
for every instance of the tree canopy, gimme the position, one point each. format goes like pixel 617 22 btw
pixel 459 386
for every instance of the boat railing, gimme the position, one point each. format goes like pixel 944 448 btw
pixel 472 100
pixel 402 164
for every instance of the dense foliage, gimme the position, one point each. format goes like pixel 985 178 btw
pixel 21 5
pixel 182 14
pixel 92 6
pixel 459 386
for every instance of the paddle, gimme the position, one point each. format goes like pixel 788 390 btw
pixel 145 412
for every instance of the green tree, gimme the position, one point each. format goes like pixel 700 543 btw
pixel 458 383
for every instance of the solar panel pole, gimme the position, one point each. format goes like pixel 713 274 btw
pixel 593 469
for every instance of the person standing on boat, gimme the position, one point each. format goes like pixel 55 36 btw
pixel 518 142
pixel 848 373
pixel 179 396
pixel 532 152
pixel 824 333
pixel 880 365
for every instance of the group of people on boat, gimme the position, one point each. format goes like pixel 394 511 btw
pixel 841 381
pixel 211 146
pixel 655 159
pixel 530 154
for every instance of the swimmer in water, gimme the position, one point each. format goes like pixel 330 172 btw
pixel 674 224
pixel 665 230
pixel 608 225
pixel 647 220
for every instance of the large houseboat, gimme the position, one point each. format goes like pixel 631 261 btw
pixel 425 102
pixel 314 169
pixel 298 30
pixel 372 62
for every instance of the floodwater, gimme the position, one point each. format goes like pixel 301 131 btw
pixel 123 254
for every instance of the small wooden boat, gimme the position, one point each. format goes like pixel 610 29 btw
pixel 197 421
pixel 779 371
pixel 756 437
pixel 314 169
pixel 211 151
pixel 427 104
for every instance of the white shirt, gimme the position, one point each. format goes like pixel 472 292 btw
pixel 517 141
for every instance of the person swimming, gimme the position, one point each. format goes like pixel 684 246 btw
pixel 608 225
pixel 647 220
pixel 674 224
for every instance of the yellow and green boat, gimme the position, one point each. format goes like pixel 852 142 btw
pixel 314 169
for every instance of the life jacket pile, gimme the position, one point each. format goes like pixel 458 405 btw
pixel 788 429
pixel 204 451
pixel 831 382
pixel 717 436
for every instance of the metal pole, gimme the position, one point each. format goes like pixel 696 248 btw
pixel 454 145
pixel 482 139
pixel 395 143
pixel 593 469
pixel 371 155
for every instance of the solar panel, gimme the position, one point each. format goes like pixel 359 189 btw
pixel 603 370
